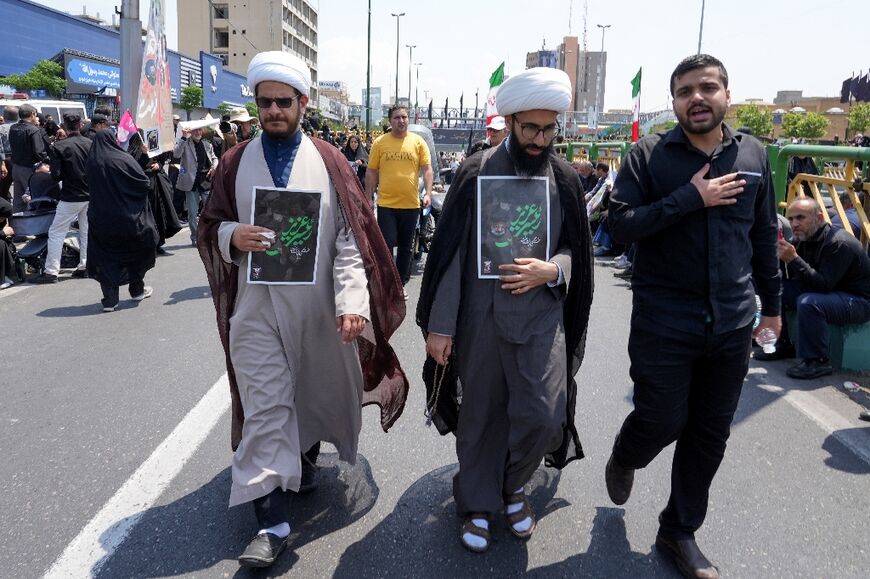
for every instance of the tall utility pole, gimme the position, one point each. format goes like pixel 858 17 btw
pixel 131 55
pixel 701 28
pixel 369 74
pixel 398 16
pixel 417 85
pixel 411 48
pixel 600 106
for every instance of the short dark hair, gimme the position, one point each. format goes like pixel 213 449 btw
pixel 603 167
pixel 695 62
pixel 26 111
pixel 10 114
pixel 71 121
pixel 393 109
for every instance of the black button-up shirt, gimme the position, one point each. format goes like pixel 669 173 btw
pixel 27 144
pixel 694 265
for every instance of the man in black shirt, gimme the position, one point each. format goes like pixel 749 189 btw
pixel 28 153
pixel 828 282
pixel 68 159
pixel 698 205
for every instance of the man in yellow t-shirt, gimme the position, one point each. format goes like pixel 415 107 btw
pixel 395 162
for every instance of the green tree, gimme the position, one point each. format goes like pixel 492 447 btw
pixel 252 109
pixel 804 125
pixel 662 127
pixel 859 117
pixel 224 108
pixel 191 98
pixel 45 74
pixel 757 119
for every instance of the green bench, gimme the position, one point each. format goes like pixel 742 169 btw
pixel 848 346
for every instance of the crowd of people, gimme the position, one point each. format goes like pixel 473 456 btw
pixel 691 214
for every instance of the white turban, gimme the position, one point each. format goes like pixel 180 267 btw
pixel 536 88
pixel 279 66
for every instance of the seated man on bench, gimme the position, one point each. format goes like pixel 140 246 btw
pixel 827 281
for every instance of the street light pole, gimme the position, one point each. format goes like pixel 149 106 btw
pixel 131 55
pixel 599 106
pixel 369 74
pixel 411 48
pixel 398 16
pixel 701 29
pixel 417 85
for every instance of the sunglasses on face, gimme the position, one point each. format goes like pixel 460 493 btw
pixel 282 102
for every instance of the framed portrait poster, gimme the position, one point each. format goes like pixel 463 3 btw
pixel 294 216
pixel 513 220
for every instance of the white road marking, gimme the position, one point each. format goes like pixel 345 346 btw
pixel 11 291
pixel 107 530
pixel 848 433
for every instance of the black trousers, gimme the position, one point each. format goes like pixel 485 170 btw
pixel 111 294
pixel 274 508
pixel 397 227
pixel 686 389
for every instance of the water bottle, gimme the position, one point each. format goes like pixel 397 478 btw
pixel 766 338
pixel 757 313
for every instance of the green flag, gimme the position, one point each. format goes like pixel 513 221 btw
pixel 497 77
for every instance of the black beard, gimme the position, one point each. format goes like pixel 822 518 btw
pixel 525 163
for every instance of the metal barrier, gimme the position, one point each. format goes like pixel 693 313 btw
pixel 610 152
pixel 834 179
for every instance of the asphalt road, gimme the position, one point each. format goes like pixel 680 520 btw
pixel 91 399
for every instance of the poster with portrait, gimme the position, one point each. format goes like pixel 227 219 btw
pixel 154 110
pixel 294 216
pixel 513 218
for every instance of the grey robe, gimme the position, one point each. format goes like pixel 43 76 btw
pixel 510 351
pixel 298 383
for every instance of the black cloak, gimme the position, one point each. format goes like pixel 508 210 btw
pixel 122 235
pixel 454 226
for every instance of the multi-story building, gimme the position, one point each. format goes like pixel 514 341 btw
pixel 236 31
pixel 586 70
pixel 793 101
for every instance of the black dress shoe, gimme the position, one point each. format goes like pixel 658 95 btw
pixel 688 557
pixel 163 252
pixel 80 274
pixel 44 278
pixel 619 481
pixel 783 352
pixel 810 368
pixel 263 550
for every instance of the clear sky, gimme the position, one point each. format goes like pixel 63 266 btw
pixel 766 46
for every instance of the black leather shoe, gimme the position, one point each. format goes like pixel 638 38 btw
pixel 619 481
pixel 783 352
pixel 688 557
pixel 80 274
pixel 263 550
pixel 44 278
pixel 810 368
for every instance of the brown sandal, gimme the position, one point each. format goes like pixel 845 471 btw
pixel 469 527
pixel 524 513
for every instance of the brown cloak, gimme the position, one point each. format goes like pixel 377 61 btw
pixel 385 383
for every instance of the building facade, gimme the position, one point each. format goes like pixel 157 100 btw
pixel 587 72
pixel 89 54
pixel 236 31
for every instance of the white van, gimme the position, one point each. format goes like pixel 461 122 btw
pixel 54 108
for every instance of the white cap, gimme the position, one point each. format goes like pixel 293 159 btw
pixel 496 123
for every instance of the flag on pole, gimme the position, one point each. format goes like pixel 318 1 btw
pixel 635 95
pixel 445 118
pixel 844 90
pixel 461 107
pixel 495 79
pixel 430 109
pixel 126 128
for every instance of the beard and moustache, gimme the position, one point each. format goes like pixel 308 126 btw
pixel 524 162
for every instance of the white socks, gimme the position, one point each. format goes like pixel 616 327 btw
pixel 281 530
pixel 525 524
pixel 474 540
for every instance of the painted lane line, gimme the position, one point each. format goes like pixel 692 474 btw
pixel 849 434
pixel 96 542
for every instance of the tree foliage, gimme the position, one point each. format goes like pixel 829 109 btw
pixel 859 117
pixel 804 125
pixel 225 108
pixel 757 119
pixel 45 74
pixel 252 109
pixel 191 98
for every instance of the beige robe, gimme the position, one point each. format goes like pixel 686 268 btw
pixel 298 383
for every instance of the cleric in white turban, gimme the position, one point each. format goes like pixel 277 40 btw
pixel 539 88
pixel 505 309
pixel 297 365
pixel 279 66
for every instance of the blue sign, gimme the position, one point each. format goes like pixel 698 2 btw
pixel 89 73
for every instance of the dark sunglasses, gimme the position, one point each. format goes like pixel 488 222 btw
pixel 282 102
